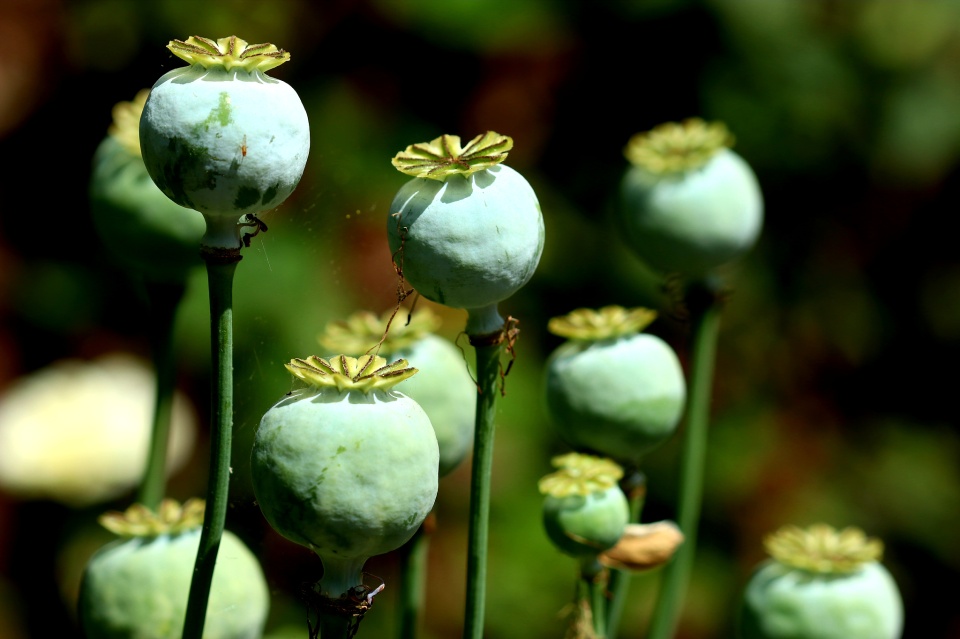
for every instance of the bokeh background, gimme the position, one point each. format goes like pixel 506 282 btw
pixel 836 385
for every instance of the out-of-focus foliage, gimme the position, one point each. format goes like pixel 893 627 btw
pixel 77 432
pixel 829 401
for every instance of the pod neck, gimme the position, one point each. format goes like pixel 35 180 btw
pixel 483 321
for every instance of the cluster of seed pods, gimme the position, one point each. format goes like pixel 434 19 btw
pixel 349 464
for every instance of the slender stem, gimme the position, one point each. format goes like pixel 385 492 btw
pixel 634 484
pixel 220 277
pixel 164 299
pixel 488 368
pixel 334 626
pixel 339 617
pixel 704 304
pixel 413 568
pixel 592 575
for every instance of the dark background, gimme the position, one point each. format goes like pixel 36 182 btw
pixel 835 396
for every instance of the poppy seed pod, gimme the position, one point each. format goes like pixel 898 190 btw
pixel 142 228
pixel 466 231
pixel 821 583
pixel 221 136
pixel 611 389
pixel 584 510
pixel 347 466
pixel 136 587
pixel 688 203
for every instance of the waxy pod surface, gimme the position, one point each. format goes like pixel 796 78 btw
pixel 224 142
pixel 467 241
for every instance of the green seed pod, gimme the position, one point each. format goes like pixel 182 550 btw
pixel 611 389
pixel 467 231
pixel 584 510
pixel 689 203
pixel 136 587
pixel 442 386
pixel 222 137
pixel 142 228
pixel 821 584
pixel 346 467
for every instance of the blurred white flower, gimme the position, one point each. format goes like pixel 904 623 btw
pixel 77 432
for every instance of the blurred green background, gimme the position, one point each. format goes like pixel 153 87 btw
pixel 828 403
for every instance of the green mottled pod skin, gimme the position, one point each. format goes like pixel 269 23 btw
pixel 584 525
pixel 348 474
pixel 694 220
pixel 224 142
pixel 468 241
pixel 137 589
pixel 446 392
pixel 620 397
pixel 782 602
pixel 141 227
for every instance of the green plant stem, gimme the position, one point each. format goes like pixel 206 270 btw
pixel 333 626
pixel 338 617
pixel 164 299
pixel 703 302
pixel 634 484
pixel 220 274
pixel 592 579
pixel 488 369
pixel 413 568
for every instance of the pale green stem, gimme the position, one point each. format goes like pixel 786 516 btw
pixel 164 299
pixel 338 613
pixel 220 274
pixel 704 304
pixel 592 578
pixel 340 574
pixel 634 484
pixel 335 626
pixel 413 569
pixel 488 370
